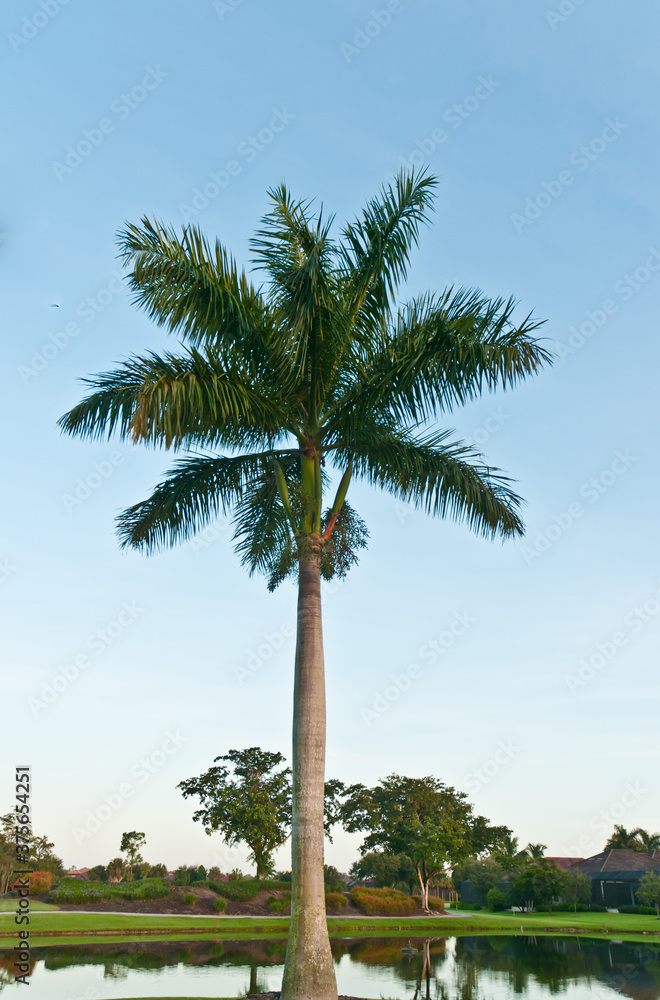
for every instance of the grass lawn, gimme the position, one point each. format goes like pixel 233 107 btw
pixel 9 906
pixel 44 926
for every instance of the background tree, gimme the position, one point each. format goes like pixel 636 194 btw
pixel 99 873
pixel 131 845
pixel 249 802
pixel 116 869
pixel 648 841
pixel 536 851
pixel 577 888
pixel 215 874
pixel 333 879
pixel 428 821
pixel 506 853
pixel 325 370
pixel 540 882
pixel 623 840
pixel 388 870
pixel 648 892
pixel 484 874
pixel 158 871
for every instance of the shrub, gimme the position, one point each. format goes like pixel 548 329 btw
pixel 40 882
pixel 467 906
pixel 496 899
pixel 597 908
pixel 435 903
pixel 335 901
pixel 278 904
pixel 220 904
pixel 72 890
pixel 647 911
pixel 190 899
pixel 383 901
pixel 242 892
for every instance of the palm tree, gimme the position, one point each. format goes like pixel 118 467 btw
pixel 647 841
pixel 536 851
pixel 624 840
pixel 321 370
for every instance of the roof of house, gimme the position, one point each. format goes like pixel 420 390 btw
pixel 617 861
pixel 564 862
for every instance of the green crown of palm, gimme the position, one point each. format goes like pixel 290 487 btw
pixel 320 370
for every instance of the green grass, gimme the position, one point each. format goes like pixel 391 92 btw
pixel 9 906
pixel 81 925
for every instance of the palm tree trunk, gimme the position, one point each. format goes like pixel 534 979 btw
pixel 309 972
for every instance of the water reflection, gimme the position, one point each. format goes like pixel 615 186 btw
pixel 465 968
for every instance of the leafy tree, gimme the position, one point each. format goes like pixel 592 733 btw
pixel 142 870
pixel 247 802
pixel 333 879
pixel 201 874
pixel 236 875
pixel 99 873
pixel 484 874
pixel 539 882
pixel 423 818
pixel 577 887
pixel 131 845
pixel 324 371
pixel 252 803
pixel 158 871
pixel 506 853
pixel 116 869
pixel 495 899
pixel 41 855
pixel 648 892
pixel 215 874
pixel 389 870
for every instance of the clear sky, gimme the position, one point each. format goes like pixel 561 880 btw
pixel 540 698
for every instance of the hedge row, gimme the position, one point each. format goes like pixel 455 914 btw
pixel 647 911
pixel 243 892
pixel 383 901
pixel 78 891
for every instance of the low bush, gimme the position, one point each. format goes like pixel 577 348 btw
pixel 220 904
pixel 190 899
pixel 467 906
pixel 278 904
pixel 597 908
pixel 335 901
pixel 646 911
pixel 435 904
pixel 383 901
pixel 39 882
pixel 243 892
pixel 73 890
pixel 496 900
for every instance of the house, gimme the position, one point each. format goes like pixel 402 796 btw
pixel 82 873
pixel 615 874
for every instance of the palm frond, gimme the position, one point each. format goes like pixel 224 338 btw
pixel 376 247
pixel 176 400
pixel 194 290
pixel 445 478
pixel 196 490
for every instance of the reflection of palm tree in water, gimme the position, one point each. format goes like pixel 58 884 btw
pixel 255 986
pixel 423 988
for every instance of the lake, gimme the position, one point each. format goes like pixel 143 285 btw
pixel 463 968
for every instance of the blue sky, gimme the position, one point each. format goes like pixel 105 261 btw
pixel 540 696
